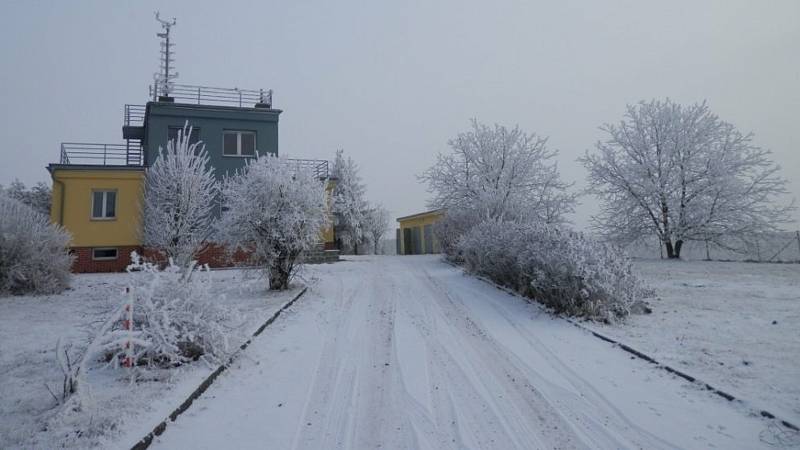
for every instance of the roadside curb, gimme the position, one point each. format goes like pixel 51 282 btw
pixel 645 357
pixel 162 426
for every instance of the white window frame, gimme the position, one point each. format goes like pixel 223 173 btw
pixel 105 258
pixel 239 134
pixel 105 204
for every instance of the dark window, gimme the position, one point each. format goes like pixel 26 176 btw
pixel 238 143
pixel 194 138
pixel 104 253
pixel 104 204
pixel 248 145
pixel 230 146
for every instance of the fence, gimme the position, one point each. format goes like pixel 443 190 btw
pixel 318 167
pixel 207 95
pixel 765 247
pixel 134 115
pixel 84 153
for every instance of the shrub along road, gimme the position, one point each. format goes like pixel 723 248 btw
pixel 407 352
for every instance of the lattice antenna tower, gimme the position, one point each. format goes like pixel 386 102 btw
pixel 164 78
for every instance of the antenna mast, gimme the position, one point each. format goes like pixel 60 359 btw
pixel 164 78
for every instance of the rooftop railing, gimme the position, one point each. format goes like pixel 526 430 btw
pixel 134 115
pixel 319 167
pixel 92 154
pixel 206 95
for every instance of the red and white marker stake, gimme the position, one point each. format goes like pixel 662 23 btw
pixel 127 324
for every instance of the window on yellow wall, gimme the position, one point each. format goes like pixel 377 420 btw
pixel 104 205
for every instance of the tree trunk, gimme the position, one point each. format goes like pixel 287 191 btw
pixel 678 246
pixel 670 250
pixel 278 276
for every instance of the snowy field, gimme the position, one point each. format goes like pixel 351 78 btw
pixel 408 352
pixel 31 326
pixel 734 325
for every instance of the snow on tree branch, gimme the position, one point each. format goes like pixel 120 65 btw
pixel 34 254
pixel 376 224
pixel 37 197
pixel 179 198
pixel 349 205
pixel 500 172
pixel 275 211
pixel 683 174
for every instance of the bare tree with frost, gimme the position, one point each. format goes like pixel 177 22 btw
pixel 276 211
pixel 179 197
pixel 349 206
pixel 38 196
pixel 682 174
pixel 376 223
pixel 500 173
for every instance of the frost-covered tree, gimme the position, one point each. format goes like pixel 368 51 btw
pixel 179 197
pixel 682 174
pixel 276 211
pixel 34 254
pixel 38 197
pixel 349 206
pixel 376 223
pixel 499 173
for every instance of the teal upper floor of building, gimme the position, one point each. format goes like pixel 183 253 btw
pixel 234 125
pixel 231 134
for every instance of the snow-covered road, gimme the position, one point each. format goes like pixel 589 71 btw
pixel 407 352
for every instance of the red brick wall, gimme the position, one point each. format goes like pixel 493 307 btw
pixel 84 262
pixel 214 255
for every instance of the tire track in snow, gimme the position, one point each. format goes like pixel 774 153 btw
pixel 581 411
pixel 408 353
pixel 591 403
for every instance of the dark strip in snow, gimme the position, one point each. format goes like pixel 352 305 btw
pixel 640 355
pixel 161 427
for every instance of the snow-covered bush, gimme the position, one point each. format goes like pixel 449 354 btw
pixel 453 225
pixel 179 197
pixel 34 255
pixel 174 322
pixel 564 270
pixel 275 211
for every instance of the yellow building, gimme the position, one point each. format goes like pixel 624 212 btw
pixel 415 235
pixel 101 207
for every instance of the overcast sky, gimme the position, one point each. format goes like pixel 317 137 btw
pixel 391 82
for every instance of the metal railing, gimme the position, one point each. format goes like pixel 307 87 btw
pixel 134 115
pixel 319 167
pixel 206 95
pixel 93 154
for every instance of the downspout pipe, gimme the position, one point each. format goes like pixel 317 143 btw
pixel 61 201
